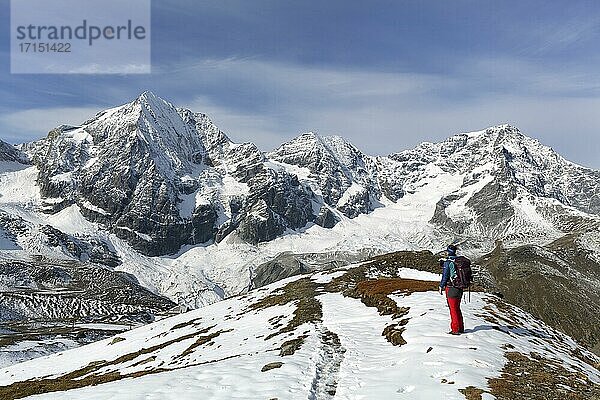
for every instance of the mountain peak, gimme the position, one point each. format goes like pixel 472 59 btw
pixel 310 140
pixel 148 95
pixel 149 101
pixel 495 130
pixel 309 137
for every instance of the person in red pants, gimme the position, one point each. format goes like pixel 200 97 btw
pixel 453 293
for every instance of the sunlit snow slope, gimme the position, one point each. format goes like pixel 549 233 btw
pixel 362 332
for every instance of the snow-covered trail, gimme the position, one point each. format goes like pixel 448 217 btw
pixel 343 354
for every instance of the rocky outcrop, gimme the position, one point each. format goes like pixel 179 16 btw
pixel 346 178
pixel 289 264
pixel 46 290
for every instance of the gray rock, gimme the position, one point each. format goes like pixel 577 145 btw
pixel 9 152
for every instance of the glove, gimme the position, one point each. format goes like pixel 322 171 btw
pixel 441 291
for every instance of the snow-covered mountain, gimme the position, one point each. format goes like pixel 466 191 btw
pixel 161 177
pixel 372 331
pixel 513 188
pixel 161 194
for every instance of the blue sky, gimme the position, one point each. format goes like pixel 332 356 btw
pixel 384 74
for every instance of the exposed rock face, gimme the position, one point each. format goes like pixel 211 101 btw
pixel 161 177
pixel 346 178
pixel 289 264
pixel 92 249
pixel 10 153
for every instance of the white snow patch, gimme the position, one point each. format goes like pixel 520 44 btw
pixel 231 187
pixel 71 221
pixel 352 191
pixel 90 162
pixel 18 187
pixel 64 177
pixel 95 208
pixel 302 173
pixel 187 205
pixel 458 209
pixel 142 236
pixel 409 273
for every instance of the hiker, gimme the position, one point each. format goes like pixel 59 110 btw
pixel 455 277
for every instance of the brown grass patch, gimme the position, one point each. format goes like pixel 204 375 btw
pixel 202 340
pixel 117 339
pixel 291 346
pixel 421 260
pixel 194 321
pixel 386 286
pixel 393 334
pixel 271 366
pixel 472 393
pixel 303 292
pixel 536 377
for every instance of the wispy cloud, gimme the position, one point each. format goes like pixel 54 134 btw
pixel 27 125
pixel 556 36
pixel 262 130
pixel 109 69
pixel 383 112
pixel 270 102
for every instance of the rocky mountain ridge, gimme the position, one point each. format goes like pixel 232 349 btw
pixel 162 177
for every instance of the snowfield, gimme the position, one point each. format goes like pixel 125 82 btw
pixel 249 347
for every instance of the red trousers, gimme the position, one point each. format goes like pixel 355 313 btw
pixel 456 318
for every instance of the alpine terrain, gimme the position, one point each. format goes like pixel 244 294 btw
pixel 370 331
pixel 147 210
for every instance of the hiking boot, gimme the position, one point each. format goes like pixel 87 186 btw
pixel 453 333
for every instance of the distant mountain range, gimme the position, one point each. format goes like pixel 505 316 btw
pixel 163 202
pixel 161 177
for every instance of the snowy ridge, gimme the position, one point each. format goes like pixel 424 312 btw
pixel 162 177
pixel 314 337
